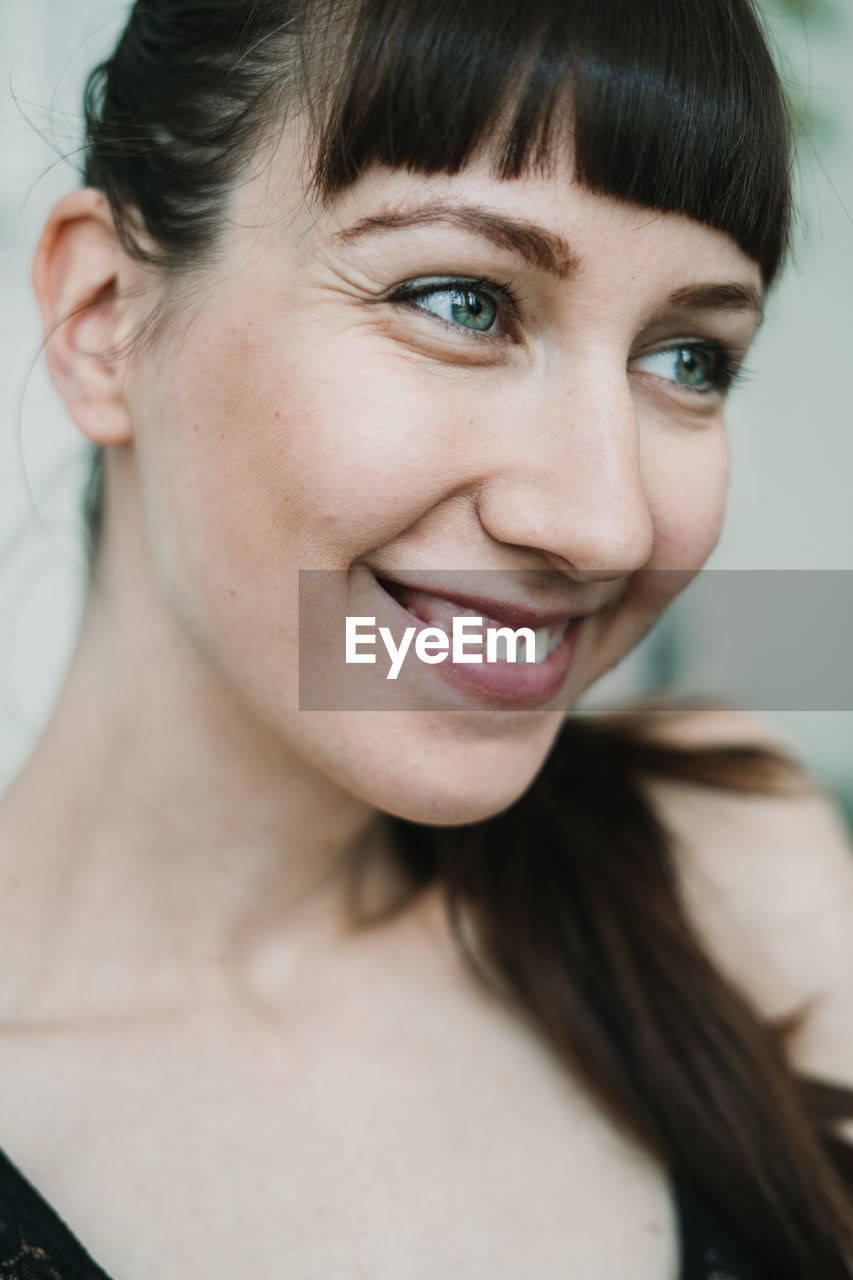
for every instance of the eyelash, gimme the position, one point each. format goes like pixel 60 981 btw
pixel 509 302
pixel 729 371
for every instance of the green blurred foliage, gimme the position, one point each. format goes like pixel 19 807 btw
pixel 844 795
pixel 800 22
pixel 818 14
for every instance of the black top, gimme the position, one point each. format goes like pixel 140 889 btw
pixel 35 1244
pixel 709 1248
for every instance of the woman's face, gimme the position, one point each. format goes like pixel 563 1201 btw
pixel 434 375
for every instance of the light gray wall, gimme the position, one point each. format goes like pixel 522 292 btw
pixel 791 503
pixel 46 49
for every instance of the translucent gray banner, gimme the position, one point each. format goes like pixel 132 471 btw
pixel 761 639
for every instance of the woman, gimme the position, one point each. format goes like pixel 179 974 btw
pixel 400 292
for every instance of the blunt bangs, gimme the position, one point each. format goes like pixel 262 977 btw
pixel 674 105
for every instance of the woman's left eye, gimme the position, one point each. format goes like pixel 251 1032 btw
pixel 699 367
pixel 480 307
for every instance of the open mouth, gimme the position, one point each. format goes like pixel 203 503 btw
pixel 479 663
pixel 436 611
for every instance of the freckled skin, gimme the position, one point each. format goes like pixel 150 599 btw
pixel 340 431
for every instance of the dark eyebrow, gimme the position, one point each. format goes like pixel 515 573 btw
pixel 542 249
pixel 733 296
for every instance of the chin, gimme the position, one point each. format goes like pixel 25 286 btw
pixel 450 778
pixel 444 806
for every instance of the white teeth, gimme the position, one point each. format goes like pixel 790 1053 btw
pixel 557 637
pixel 547 640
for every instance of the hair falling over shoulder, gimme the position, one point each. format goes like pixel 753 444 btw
pixel 579 927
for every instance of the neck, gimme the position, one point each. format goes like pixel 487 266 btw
pixel 162 847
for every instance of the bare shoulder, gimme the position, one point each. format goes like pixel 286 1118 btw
pixel 768 882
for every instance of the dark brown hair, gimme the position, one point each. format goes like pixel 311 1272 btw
pixel 674 105
pixel 581 929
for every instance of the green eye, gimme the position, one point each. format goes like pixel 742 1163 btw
pixel 475 306
pixel 693 367
pixel 470 308
pixel 700 368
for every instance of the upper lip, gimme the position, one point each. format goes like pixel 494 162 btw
pixel 508 612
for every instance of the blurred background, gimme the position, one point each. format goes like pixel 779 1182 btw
pixel 790 511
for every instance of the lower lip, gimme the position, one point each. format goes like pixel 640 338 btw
pixel 514 685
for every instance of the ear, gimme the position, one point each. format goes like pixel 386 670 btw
pixel 80 275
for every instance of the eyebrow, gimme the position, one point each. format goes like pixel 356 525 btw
pixel 542 249
pixel 734 295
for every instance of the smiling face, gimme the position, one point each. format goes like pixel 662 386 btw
pixel 436 374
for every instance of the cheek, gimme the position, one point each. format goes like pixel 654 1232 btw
pixel 268 450
pixel 686 479
pixel 261 458
pixel 353 456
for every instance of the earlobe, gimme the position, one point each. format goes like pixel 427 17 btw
pixel 77 276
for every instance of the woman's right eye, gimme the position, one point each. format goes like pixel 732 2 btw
pixel 482 308
pixel 467 307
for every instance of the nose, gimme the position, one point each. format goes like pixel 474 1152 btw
pixel 570 481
